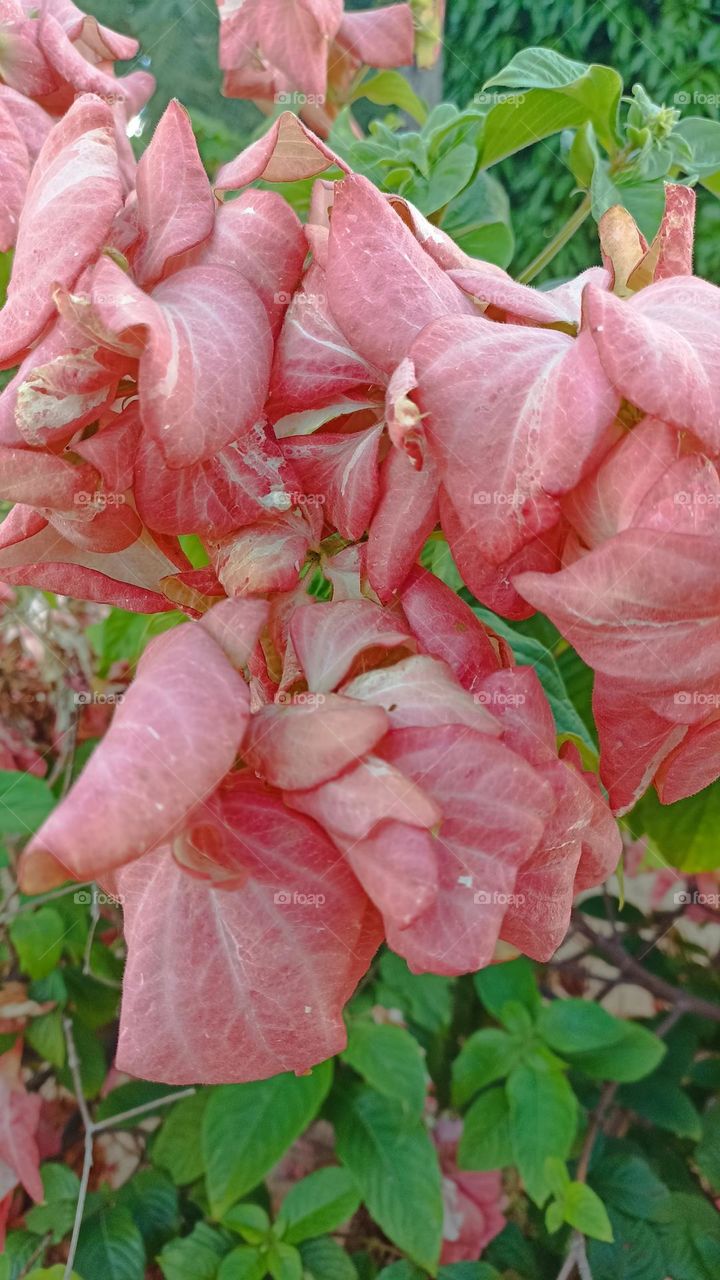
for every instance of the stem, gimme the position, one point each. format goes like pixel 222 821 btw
pixel 112 1122
pixel 92 1128
pixel 613 950
pixel 558 242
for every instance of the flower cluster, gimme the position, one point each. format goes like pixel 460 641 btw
pixel 308 57
pixel 50 53
pixel 290 779
pixel 287 783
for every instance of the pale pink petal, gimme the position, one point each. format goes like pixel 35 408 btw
pixel 329 637
pixel 288 152
pixel 351 805
pixel 406 514
pixel 379 37
pixel 72 197
pixel 421 691
pixel 296 745
pixel 341 472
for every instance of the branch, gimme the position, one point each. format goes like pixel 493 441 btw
pixel 92 1128
pixel 612 949
pixel 577 1257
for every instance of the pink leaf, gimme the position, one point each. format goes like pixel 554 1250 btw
pixel 296 745
pixel 329 637
pixel 74 191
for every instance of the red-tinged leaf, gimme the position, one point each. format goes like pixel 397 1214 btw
pixel 22 64
pixel 235 626
pixel 340 471
pixel 328 638
pixel 671 252
pixel 660 350
pixel 243 482
pixel 634 740
pixel 73 194
pixel 296 745
pixel 266 556
pixel 447 628
pixel 205 349
pixel 601 839
pixel 382 287
pixel 605 502
pixel 504 298
pixel 166 748
pixel 493 585
pixel 13 179
pixel 516 416
pixel 32 121
pixel 33 553
pixel 379 37
pixel 175 206
pixel 494 810
pixel 81 75
pixel 398 867
pixel 45 480
pixel 516 700
pixel 315 364
pixel 201 1000
pixel 351 805
pixel 406 515
pixel 633 606
pixel 294 36
pixel 692 765
pixel 421 691
pixel 19 1119
pixel 288 152
pixel 259 235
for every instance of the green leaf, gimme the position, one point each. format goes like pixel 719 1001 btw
pixel 594 91
pixel 577 1026
pixel 626 1182
pixel 323 1259
pixel 196 1257
pixel 486 1056
pixel 396 1168
pixel 178 1145
pixel 543 1122
pixel 703 137
pixel 25 803
pixel 485 1142
pixel 318 1204
pixel 152 1199
pixel 585 1211
pixel 51 1273
pixel 249 1220
pixel 122 636
pixel 248 1127
pixel 450 175
pixel 57 1214
pixel 500 983
pixel 707 1154
pixel 46 1036
pixel 635 1254
pixel 531 652
pixel 557 1176
pixel 37 936
pixel 663 1103
pixel 111 1246
pixel 389 1059
pixel 284 1262
pixel 243 1263
pixel 468 1271
pixel 684 833
pixel 391 89
pixel 691 1238
pixel 478 219
pixel 426 997
pixel 633 1055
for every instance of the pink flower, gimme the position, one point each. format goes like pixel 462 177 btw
pixel 473 1202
